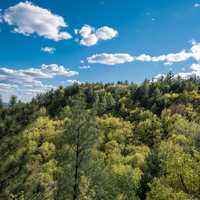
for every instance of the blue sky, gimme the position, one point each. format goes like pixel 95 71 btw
pixel 44 44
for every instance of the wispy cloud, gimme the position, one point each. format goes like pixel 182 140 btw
pixel 84 67
pixel 196 5
pixel 5 87
pixel 28 19
pixel 91 36
pixel 49 50
pixel 44 71
pixel 22 82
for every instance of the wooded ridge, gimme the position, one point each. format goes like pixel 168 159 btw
pixel 120 141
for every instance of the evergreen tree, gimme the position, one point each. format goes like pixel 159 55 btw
pixel 1 103
pixel 13 101
pixel 81 131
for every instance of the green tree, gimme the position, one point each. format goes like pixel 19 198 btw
pixel 80 130
pixel 181 171
pixel 1 103
pixel 148 131
pixel 13 101
pixel 30 168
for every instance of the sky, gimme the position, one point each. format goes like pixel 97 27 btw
pixel 44 44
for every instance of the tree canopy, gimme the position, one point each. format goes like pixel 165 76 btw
pixel 116 141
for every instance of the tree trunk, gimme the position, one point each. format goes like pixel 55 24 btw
pixel 76 178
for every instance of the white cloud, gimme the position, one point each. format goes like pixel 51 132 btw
pixel 23 92
pixel 176 57
pixel 5 87
pixel 158 76
pixel 90 36
pixel 186 75
pixel 110 59
pixel 71 82
pixel 168 63
pixel 57 70
pixel 171 58
pixel 194 72
pixel 195 67
pixel 86 31
pixel 76 31
pixel 197 5
pixel 106 33
pixel 29 19
pixel 45 71
pixel 21 82
pixel 49 50
pixel 168 59
pixel 89 41
pixel 84 67
pixel 144 58
pixel 195 51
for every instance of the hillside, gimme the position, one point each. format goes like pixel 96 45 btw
pixel 120 141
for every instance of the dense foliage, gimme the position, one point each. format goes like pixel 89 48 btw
pixel 103 141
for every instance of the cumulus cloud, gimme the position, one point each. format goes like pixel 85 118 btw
pixel 71 82
pixel 49 50
pixel 193 72
pixel 86 31
pixel 22 82
pixel 89 41
pixel 90 36
pixel 30 19
pixel 106 33
pixel 110 59
pixel 175 57
pixel 195 51
pixel 168 59
pixel 144 58
pixel 57 70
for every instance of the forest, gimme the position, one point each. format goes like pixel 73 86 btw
pixel 95 141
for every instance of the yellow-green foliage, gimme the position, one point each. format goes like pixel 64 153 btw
pixel 98 141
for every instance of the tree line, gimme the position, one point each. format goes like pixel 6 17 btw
pixel 116 141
